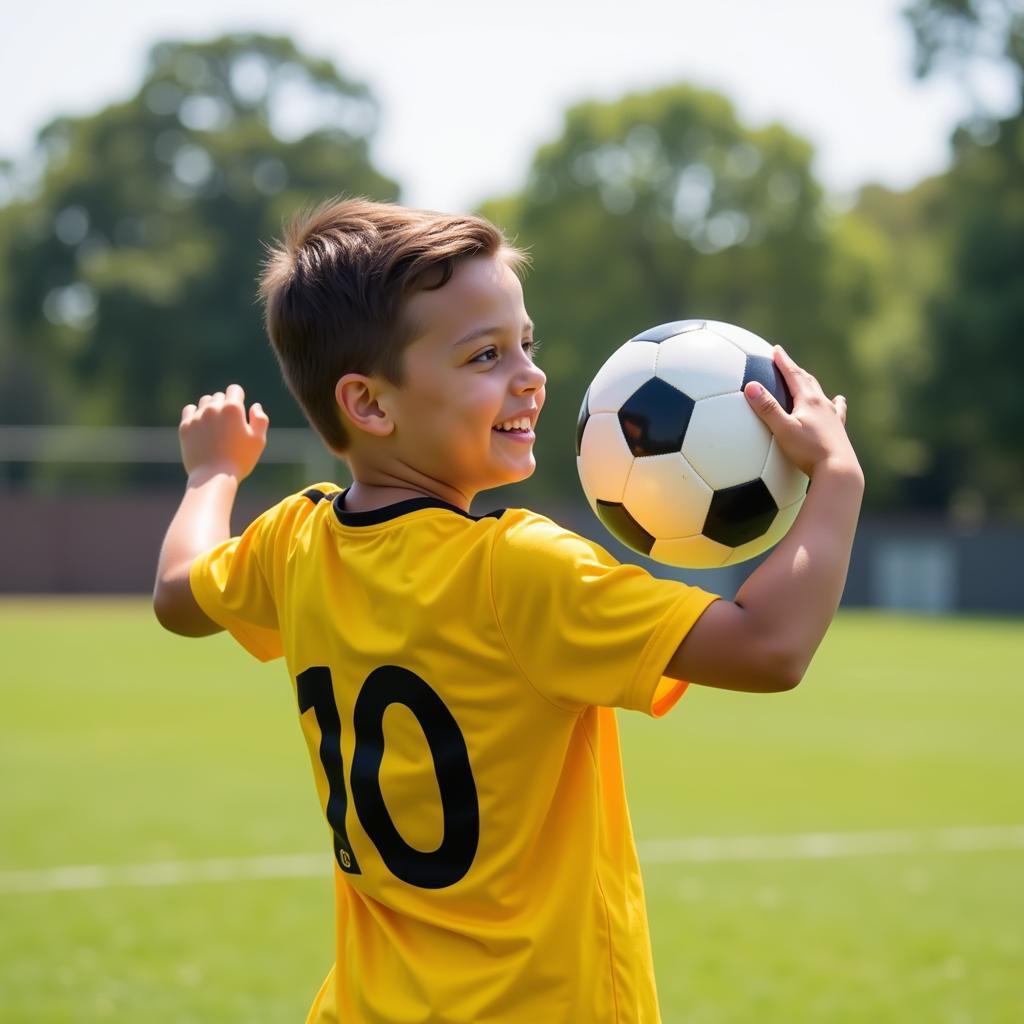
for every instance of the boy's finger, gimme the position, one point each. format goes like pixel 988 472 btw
pixel 258 420
pixel 188 412
pixel 764 404
pixel 790 371
pixel 783 357
pixel 840 403
pixel 205 400
pixel 235 393
pixel 796 377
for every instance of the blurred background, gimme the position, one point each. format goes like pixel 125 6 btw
pixel 843 179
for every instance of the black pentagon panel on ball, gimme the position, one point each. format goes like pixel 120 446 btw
pixel 665 331
pixel 581 421
pixel 622 525
pixel 740 514
pixel 766 373
pixel 655 417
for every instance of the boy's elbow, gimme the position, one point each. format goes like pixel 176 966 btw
pixel 176 610
pixel 772 679
pixel 163 609
pixel 789 672
pixel 789 680
pixel 775 668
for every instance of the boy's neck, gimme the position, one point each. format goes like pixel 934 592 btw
pixel 364 497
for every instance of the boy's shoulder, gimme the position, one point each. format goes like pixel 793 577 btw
pixel 302 501
pixel 530 540
pixel 315 493
pixel 526 530
pixel 281 520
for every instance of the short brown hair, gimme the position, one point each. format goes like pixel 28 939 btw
pixel 335 286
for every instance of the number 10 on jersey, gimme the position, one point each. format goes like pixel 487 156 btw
pixel 384 686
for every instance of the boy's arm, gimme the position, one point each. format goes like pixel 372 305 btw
pixel 764 640
pixel 218 450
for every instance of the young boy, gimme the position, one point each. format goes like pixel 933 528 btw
pixel 455 675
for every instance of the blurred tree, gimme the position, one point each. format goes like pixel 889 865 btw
pixel 898 239
pixel 662 206
pixel 969 402
pixel 954 34
pixel 130 273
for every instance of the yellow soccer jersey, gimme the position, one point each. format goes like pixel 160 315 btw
pixel 454 678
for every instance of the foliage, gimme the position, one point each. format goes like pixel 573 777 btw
pixel 953 33
pixel 968 406
pixel 897 239
pixel 131 273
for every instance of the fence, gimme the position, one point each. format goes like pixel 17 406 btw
pixel 73 541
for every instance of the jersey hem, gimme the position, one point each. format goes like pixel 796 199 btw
pixel 664 641
pixel 256 645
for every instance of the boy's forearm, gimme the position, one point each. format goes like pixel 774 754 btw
pixel 202 521
pixel 793 595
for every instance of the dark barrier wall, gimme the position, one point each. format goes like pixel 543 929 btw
pixel 90 543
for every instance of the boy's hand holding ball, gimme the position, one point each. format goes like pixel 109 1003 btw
pixel 216 437
pixel 814 431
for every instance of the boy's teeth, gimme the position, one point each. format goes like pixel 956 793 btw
pixel 520 424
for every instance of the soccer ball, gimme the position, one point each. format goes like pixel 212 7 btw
pixel 672 458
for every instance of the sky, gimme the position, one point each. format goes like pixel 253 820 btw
pixel 469 89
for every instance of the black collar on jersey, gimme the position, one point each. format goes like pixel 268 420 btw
pixel 374 516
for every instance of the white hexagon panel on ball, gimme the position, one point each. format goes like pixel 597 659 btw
pixel 700 364
pixel 691 552
pixel 625 370
pixel 666 497
pixel 748 341
pixel 786 483
pixel 605 460
pixel 725 441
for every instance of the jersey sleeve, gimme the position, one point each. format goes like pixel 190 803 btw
pixel 585 628
pixel 238 582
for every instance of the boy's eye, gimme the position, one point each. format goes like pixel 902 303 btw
pixel 488 355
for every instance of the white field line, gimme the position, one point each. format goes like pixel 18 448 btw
pixel 827 845
pixel 807 846
pixel 171 872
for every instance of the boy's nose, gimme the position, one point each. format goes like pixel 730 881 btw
pixel 532 379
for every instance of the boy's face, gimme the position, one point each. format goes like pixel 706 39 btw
pixel 469 370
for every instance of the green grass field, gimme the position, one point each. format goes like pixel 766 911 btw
pixel 121 745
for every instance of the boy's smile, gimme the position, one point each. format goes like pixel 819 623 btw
pixel 465 414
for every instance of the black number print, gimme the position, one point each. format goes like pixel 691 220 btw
pixel 315 690
pixel 387 685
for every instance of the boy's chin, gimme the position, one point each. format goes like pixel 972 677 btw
pixel 527 471
pixel 512 476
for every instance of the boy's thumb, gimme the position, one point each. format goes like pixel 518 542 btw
pixel 763 403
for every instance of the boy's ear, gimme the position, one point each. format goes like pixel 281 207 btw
pixel 358 399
